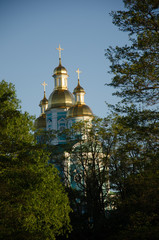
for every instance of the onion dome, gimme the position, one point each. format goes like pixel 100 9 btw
pixel 40 122
pixel 60 98
pixel 79 110
pixel 78 89
pixel 44 101
pixel 60 70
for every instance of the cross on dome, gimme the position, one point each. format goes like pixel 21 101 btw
pixel 59 49
pixel 44 84
pixel 78 72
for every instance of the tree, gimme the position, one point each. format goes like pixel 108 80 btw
pixel 34 204
pixel 89 146
pixel 136 66
pixel 133 172
pixel 134 163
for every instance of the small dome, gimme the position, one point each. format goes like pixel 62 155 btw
pixel 40 122
pixel 60 70
pixel 78 89
pixel 44 101
pixel 60 98
pixel 79 110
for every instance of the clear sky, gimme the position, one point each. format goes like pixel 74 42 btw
pixel 31 30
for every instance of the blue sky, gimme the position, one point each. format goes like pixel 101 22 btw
pixel 31 30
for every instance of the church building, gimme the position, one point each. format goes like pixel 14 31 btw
pixel 63 108
pixel 60 111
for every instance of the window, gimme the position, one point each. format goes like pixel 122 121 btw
pixel 55 82
pixel 62 128
pixel 60 82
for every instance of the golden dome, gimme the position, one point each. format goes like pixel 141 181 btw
pixel 40 122
pixel 79 110
pixel 60 98
pixel 44 101
pixel 60 70
pixel 78 89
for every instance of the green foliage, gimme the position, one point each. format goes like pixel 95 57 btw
pixel 91 144
pixel 134 164
pixel 133 174
pixel 135 67
pixel 33 203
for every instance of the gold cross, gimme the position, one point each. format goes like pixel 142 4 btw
pixel 44 84
pixel 78 71
pixel 59 49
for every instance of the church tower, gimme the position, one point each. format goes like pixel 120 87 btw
pixel 40 122
pixel 80 111
pixel 60 100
